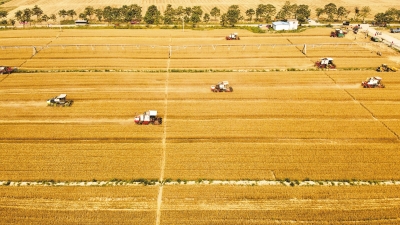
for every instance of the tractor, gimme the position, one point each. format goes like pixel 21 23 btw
pixel 6 69
pixel 59 101
pixel 233 36
pixel 148 117
pixel 372 82
pixel 386 68
pixel 325 63
pixel 221 87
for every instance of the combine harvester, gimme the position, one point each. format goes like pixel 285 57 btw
pixel 221 87
pixel 325 63
pixel 6 69
pixel 373 82
pixel 59 101
pixel 233 36
pixel 386 68
pixel 148 117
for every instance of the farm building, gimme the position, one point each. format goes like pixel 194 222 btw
pixel 290 24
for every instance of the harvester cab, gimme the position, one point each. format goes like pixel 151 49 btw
pixel 148 117
pixel 59 101
pixel 233 36
pixel 6 69
pixel 221 87
pixel 325 63
pixel 373 82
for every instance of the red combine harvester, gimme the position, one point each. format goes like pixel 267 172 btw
pixel 221 87
pixel 6 69
pixel 325 63
pixel 148 117
pixel 372 82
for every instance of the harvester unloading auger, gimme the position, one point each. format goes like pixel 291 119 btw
pixel 148 117
pixel 59 101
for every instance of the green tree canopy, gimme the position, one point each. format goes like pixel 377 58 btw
pixel 153 15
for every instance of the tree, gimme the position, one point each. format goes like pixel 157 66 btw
pixel 53 17
pixel 302 13
pixel 233 14
pixel 215 12
pixel 99 14
pixel 62 13
pixel 342 12
pixel 71 13
pixel 224 20
pixel 270 12
pixel 319 12
pixel 392 13
pixel 169 15
pixel 131 13
pixel 383 18
pixel 250 13
pixel 82 16
pixel 37 11
pixel 356 12
pixel 45 18
pixel 260 11
pixel 111 14
pixel 195 17
pixel 330 10
pixel 206 17
pixel 89 11
pixel 3 14
pixel 287 11
pixel 152 15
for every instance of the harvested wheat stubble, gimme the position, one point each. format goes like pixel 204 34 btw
pixel 271 205
pixel 252 159
pixel 104 205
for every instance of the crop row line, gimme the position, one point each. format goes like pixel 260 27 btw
pixel 145 182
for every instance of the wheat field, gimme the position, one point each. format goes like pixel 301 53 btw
pixel 284 120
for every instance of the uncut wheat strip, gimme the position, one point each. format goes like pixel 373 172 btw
pixel 79 130
pixel 272 93
pixel 237 63
pixel 287 129
pixel 296 160
pixel 79 161
pixel 98 63
pixel 376 94
pixel 257 109
pixel 106 198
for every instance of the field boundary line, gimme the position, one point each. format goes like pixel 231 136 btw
pixel 278 182
pixel 372 114
pixel 164 144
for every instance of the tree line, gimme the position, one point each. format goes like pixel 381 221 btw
pixel 194 15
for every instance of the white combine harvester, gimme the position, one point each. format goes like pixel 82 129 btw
pixel 372 82
pixel 325 63
pixel 233 36
pixel 148 117
pixel 59 101
pixel 221 87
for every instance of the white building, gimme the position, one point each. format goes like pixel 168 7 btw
pixel 291 24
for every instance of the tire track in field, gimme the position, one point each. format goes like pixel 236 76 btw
pixel 164 144
pixel 363 106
